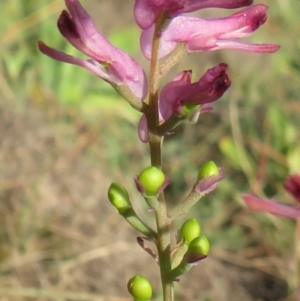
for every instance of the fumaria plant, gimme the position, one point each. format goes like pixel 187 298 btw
pixel 167 35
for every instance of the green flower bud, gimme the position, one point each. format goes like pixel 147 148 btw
pixel 189 231
pixel 199 245
pixel 151 178
pixel 207 170
pixel 119 197
pixel 140 288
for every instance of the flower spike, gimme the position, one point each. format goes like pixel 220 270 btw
pixel 106 61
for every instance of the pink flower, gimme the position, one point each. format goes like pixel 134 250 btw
pixel 211 34
pixel 181 92
pixel 292 185
pixel 271 206
pixel 146 12
pixel 106 61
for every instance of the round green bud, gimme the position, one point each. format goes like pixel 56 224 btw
pixel 189 231
pixel 207 170
pixel 151 178
pixel 118 196
pixel 199 245
pixel 140 288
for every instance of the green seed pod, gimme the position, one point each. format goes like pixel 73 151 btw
pixel 199 245
pixel 140 288
pixel 207 170
pixel 189 231
pixel 151 178
pixel 119 197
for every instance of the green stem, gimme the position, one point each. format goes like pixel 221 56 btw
pixel 184 206
pixel 163 248
pixel 132 218
pixel 297 256
pixel 155 144
pixel 181 269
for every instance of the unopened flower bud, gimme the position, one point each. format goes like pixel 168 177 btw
pixel 199 245
pixel 140 288
pixel 119 197
pixel 207 170
pixel 151 179
pixel 189 231
pixel 197 250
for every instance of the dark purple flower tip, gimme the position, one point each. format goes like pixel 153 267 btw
pixel 215 82
pixel 66 25
pixel 292 185
pixel 271 206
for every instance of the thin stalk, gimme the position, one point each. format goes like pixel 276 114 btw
pixel 184 206
pixel 163 248
pixel 297 259
pixel 155 144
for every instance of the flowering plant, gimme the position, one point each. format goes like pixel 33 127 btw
pixel 167 35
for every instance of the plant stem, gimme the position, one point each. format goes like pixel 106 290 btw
pixel 184 206
pixel 163 248
pixel 297 259
pixel 155 144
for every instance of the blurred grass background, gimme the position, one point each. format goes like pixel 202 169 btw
pixel 65 136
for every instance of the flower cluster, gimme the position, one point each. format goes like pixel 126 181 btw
pixel 180 96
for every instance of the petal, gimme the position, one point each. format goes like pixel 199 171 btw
pixel 79 29
pixel 86 27
pixel 193 5
pixel 91 65
pixel 146 12
pixel 249 47
pixel 181 92
pixel 143 129
pixel 170 93
pixel 212 34
pixel 271 206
